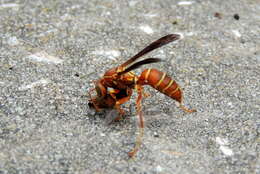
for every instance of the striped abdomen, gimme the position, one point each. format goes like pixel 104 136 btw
pixel 160 81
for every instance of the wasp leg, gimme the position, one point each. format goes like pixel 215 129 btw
pixel 138 143
pixel 146 94
pixel 120 102
pixel 186 109
pixel 113 93
pixel 93 101
pixel 121 113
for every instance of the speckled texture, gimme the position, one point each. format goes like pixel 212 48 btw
pixel 52 50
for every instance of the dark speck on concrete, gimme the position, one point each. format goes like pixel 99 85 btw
pixel 236 17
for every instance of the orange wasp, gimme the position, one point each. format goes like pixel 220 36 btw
pixel 116 86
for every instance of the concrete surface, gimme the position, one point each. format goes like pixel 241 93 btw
pixel 52 50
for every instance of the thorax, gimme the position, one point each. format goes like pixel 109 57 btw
pixel 113 80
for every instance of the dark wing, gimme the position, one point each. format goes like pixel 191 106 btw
pixel 156 44
pixel 139 64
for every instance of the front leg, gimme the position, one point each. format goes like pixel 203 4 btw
pixel 92 101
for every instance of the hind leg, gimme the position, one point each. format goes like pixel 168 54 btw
pixel 183 107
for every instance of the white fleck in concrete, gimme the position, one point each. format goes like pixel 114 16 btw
pixel 44 57
pixel 221 141
pixel 147 29
pixel 226 150
pixel 185 2
pixel 132 3
pixel 13 41
pixel 236 33
pixel 223 146
pixel 9 5
pixel 111 54
pixel 102 134
pixel 41 82
pixel 159 169
pixel 189 33
pixel 151 15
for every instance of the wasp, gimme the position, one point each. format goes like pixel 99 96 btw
pixel 117 85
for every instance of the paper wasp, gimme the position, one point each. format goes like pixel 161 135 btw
pixel 117 85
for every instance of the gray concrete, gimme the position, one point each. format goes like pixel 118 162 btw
pixel 51 51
